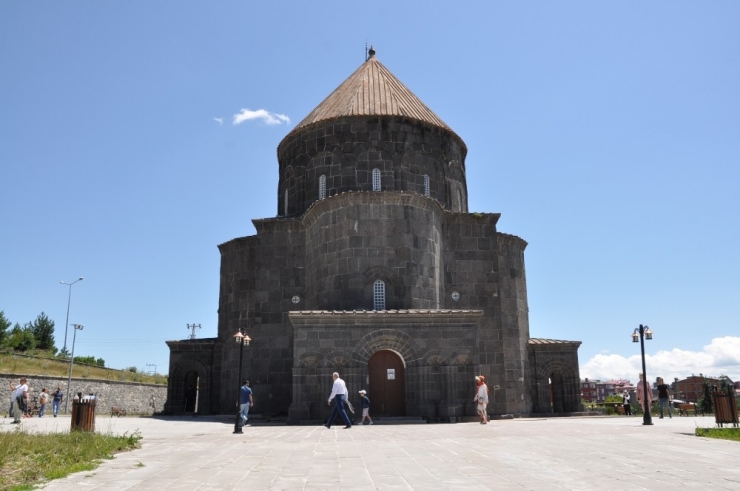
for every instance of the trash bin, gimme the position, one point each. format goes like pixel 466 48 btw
pixel 725 409
pixel 83 413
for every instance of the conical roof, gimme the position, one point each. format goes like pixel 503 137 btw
pixel 372 90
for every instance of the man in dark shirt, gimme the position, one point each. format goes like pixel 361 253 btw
pixel 663 398
pixel 245 401
pixel 56 401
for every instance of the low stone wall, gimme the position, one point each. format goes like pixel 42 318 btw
pixel 135 398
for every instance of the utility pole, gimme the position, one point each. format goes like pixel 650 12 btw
pixel 153 365
pixel 193 327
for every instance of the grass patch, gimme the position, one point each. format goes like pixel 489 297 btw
pixel 721 433
pixel 11 363
pixel 27 459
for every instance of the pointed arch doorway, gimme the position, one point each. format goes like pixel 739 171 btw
pixel 387 385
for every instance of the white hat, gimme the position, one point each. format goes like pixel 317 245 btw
pixel 363 391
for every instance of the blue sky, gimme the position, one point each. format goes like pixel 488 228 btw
pixel 605 133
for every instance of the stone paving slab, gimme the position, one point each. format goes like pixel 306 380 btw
pixel 521 454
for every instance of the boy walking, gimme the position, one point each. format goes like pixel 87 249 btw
pixel 43 399
pixel 365 407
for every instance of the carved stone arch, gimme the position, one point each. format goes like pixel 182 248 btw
pixel 457 171
pixel 375 158
pixel 311 360
pixel 289 192
pixel 339 359
pixel 176 388
pixel 382 273
pixel 187 366
pixel 387 339
pixel 435 358
pixel 557 387
pixel 320 164
pixel 550 366
pixel 462 359
pixel 410 169
pixel 393 284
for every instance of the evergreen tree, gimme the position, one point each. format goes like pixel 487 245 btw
pixel 4 325
pixel 21 338
pixel 705 403
pixel 43 332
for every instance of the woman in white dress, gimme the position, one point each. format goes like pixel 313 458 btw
pixel 481 397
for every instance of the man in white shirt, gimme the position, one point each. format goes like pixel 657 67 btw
pixel 19 392
pixel 339 394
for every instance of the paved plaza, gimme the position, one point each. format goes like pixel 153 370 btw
pixel 588 453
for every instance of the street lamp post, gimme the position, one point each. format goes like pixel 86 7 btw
pixel 69 299
pixel 242 338
pixel 642 333
pixel 77 327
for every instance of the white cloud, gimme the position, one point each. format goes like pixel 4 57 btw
pixel 266 117
pixel 219 120
pixel 720 357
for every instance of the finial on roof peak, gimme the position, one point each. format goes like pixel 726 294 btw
pixel 371 53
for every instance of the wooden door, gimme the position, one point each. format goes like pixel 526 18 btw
pixel 387 389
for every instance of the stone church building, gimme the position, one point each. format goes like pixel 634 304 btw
pixel 374 268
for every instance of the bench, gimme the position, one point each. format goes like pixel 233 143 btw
pixel 117 411
pixel 686 408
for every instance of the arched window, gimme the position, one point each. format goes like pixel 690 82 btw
pixel 459 200
pixel 322 187
pixel 426 185
pixel 285 204
pixel 379 295
pixel 376 179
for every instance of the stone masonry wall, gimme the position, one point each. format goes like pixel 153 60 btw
pixel 259 277
pixel 135 398
pixel 471 269
pixel 346 150
pixel 438 349
pixel 355 239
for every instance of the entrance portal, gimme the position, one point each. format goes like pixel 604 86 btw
pixel 190 390
pixel 387 384
pixel 557 393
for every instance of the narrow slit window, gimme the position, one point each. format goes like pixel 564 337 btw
pixel 459 200
pixel 322 187
pixel 426 185
pixel 376 179
pixel 379 295
pixel 285 204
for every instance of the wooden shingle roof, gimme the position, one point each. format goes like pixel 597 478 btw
pixel 372 90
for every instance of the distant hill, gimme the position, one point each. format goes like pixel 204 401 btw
pixel 22 364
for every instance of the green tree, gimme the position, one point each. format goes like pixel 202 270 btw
pixel 87 360
pixel 4 325
pixel 43 331
pixel 705 402
pixel 21 338
pixel 100 362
